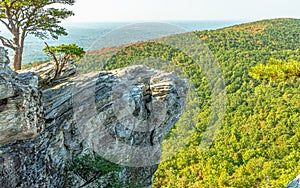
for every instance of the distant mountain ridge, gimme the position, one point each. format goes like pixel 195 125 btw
pixel 90 35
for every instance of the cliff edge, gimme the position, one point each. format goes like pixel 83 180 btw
pixel 101 129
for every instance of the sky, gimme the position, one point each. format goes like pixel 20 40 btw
pixel 160 10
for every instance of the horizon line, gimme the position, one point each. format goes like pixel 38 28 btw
pixel 179 20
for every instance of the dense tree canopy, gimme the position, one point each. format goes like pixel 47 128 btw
pixel 276 70
pixel 258 144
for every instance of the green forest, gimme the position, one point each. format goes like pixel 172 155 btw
pixel 257 143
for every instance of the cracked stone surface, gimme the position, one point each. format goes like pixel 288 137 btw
pixel 121 115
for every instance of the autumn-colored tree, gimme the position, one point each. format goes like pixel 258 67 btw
pixel 276 70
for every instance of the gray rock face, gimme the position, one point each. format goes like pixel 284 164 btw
pixel 119 116
pixel 20 105
pixel 295 183
pixel 46 72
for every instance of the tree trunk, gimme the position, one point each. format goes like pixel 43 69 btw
pixel 18 58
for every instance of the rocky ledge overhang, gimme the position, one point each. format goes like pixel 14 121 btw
pixel 121 115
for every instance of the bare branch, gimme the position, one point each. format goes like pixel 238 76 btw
pixel 9 17
pixel 6 42
pixel 6 24
pixel 55 60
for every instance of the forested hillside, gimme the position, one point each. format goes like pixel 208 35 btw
pixel 258 144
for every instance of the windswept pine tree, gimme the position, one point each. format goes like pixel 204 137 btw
pixel 31 17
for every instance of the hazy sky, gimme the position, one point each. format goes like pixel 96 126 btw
pixel 159 10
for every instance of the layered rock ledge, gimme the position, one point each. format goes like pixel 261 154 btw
pixel 95 130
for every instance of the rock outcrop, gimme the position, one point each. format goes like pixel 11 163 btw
pixel 295 183
pixel 96 130
pixel 20 104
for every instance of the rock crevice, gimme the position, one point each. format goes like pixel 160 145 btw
pixel 120 117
